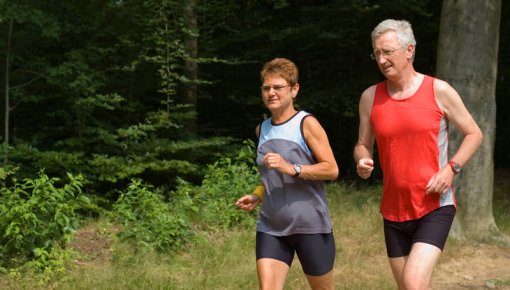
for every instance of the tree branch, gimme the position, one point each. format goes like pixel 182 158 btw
pixel 38 76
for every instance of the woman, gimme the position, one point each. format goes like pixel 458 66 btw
pixel 293 157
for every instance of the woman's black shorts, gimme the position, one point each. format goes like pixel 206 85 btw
pixel 316 252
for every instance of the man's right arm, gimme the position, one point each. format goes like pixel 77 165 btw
pixel 366 138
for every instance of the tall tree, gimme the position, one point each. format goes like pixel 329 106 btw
pixel 468 59
pixel 7 88
pixel 23 24
pixel 191 67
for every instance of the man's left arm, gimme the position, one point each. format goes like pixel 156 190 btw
pixel 455 111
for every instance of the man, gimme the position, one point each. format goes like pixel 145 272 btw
pixel 409 115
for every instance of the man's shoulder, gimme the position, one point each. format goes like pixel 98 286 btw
pixel 369 92
pixel 441 86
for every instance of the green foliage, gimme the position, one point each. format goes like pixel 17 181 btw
pixel 226 180
pixel 151 221
pixel 135 153
pixel 101 78
pixel 148 221
pixel 35 215
pixel 104 103
pixel 167 50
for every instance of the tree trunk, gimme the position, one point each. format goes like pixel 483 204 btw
pixel 191 68
pixel 468 59
pixel 7 89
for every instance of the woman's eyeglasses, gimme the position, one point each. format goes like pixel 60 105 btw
pixel 278 88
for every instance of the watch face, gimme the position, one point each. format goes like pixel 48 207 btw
pixel 455 166
pixel 297 168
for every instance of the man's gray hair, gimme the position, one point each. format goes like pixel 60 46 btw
pixel 401 27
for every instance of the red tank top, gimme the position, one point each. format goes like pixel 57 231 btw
pixel 412 140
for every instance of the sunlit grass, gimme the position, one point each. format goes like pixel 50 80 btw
pixel 226 260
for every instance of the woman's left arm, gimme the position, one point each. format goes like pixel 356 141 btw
pixel 326 167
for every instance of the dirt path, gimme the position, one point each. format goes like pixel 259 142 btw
pixel 474 267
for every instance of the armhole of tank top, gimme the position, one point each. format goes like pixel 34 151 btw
pixel 433 80
pixel 258 135
pixel 302 130
pixel 378 87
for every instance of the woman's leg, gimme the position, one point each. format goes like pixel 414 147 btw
pixel 272 273
pixel 323 282
pixel 274 258
pixel 316 252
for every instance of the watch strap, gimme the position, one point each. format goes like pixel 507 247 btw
pixel 297 168
pixel 455 166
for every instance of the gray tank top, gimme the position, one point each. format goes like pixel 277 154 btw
pixel 291 205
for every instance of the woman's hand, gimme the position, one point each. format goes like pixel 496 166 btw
pixel 248 202
pixel 275 161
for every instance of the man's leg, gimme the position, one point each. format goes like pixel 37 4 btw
pixel 398 238
pixel 397 267
pixel 428 243
pixel 420 265
pixel 415 271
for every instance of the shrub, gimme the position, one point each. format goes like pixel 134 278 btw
pixel 226 180
pixel 149 221
pixel 36 214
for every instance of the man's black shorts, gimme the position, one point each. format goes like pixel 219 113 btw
pixel 432 228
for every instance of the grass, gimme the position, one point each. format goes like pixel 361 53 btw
pixel 501 202
pixel 226 260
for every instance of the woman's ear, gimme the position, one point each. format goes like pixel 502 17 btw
pixel 295 90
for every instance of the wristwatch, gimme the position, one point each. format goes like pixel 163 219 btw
pixel 297 167
pixel 455 166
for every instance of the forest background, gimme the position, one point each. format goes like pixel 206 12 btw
pixel 96 85
pixel 109 102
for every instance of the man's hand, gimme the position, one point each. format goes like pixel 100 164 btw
pixel 441 181
pixel 365 167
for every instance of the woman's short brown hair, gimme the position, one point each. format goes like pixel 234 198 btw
pixel 281 67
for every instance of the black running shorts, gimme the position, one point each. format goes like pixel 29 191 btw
pixel 432 229
pixel 316 252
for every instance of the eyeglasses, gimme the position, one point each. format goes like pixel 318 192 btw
pixel 386 53
pixel 278 88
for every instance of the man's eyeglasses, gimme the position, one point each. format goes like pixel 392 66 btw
pixel 278 88
pixel 386 53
